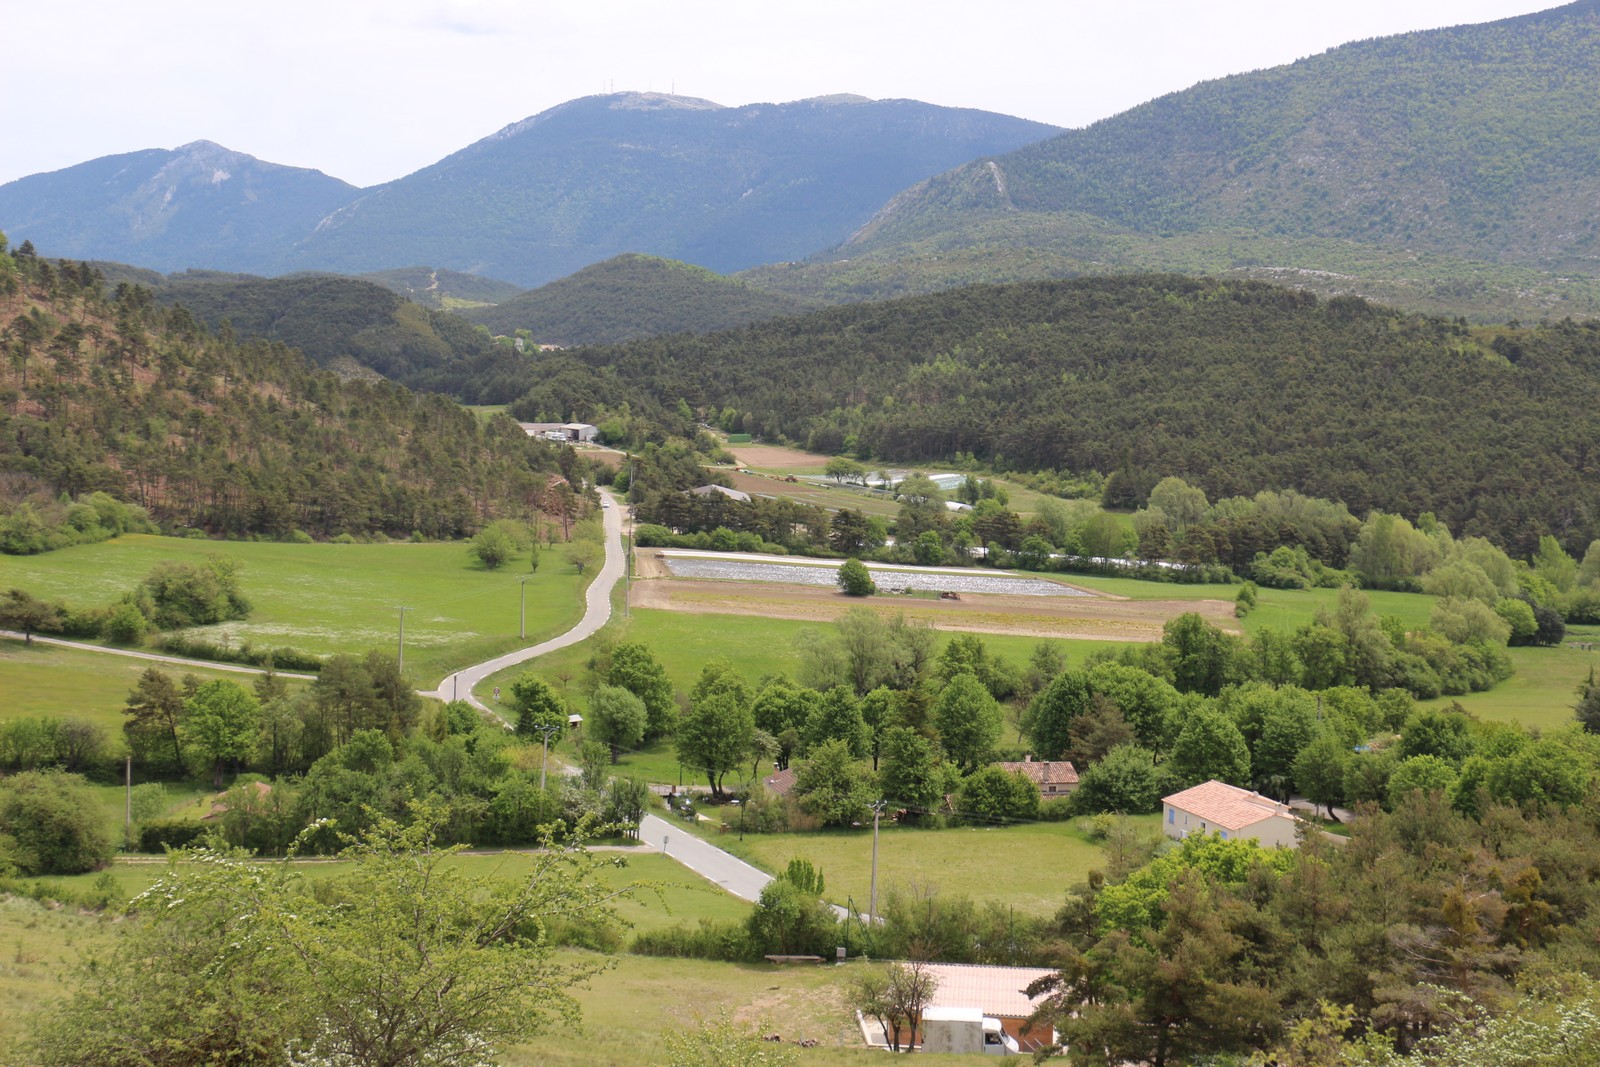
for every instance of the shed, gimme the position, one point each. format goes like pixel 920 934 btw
pixel 996 991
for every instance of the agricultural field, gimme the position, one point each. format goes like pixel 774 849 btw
pixel 41 680
pixel 769 464
pixel 327 598
pixel 1027 866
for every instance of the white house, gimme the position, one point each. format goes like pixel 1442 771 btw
pixel 1220 808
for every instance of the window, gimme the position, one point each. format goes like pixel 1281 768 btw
pixel 1172 814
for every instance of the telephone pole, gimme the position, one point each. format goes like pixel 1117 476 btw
pixel 547 731
pixel 872 900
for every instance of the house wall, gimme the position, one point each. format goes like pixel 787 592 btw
pixel 1272 830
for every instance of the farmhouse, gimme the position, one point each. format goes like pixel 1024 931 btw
pixel 1220 808
pixel 1055 778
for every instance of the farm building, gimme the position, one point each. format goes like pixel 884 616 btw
pixel 996 991
pixel 560 431
pixel 779 783
pixel 1216 807
pixel 1055 778
pixel 715 490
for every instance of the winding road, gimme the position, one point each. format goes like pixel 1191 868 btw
pixel 597 612
pixel 698 855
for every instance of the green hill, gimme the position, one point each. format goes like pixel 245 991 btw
pixel 329 317
pixel 234 436
pixel 1237 387
pixel 632 296
pixel 444 290
pixel 1449 169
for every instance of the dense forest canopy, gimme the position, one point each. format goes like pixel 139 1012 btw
pixel 1236 387
pixel 632 296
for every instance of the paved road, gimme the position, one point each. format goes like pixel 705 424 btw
pixel 597 613
pixel 704 858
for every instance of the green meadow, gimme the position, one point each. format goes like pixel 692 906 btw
pixel 41 680
pixel 328 598
pixel 1027 866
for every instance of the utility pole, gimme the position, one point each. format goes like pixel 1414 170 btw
pixel 547 731
pixel 522 612
pixel 127 813
pixel 872 901
pixel 627 558
pixel 400 655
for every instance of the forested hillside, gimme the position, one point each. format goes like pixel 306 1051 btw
pixel 120 395
pixel 1447 169
pixel 1237 387
pixel 329 318
pixel 632 296
pixel 446 290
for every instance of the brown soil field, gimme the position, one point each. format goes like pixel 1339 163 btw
pixel 776 457
pixel 1097 618
pixel 807 492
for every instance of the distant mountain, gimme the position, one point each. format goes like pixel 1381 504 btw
pixel 1453 169
pixel 336 321
pixel 201 205
pixel 632 296
pixel 447 290
pixel 723 187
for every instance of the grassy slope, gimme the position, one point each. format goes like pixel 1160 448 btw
pixel 327 598
pixel 39 680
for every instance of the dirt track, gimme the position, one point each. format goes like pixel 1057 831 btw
pixel 1092 618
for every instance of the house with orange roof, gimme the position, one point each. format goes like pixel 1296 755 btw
pixel 1219 808
pixel 1055 778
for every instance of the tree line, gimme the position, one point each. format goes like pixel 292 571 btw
pixel 1236 387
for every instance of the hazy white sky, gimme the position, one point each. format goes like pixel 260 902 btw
pixel 370 90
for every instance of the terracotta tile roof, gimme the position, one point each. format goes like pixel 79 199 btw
pixel 780 782
pixel 994 990
pixel 1226 805
pixel 1045 772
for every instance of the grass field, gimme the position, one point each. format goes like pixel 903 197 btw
pixel 1028 866
pixel 684 896
pixel 1540 695
pixel 38 680
pixel 327 598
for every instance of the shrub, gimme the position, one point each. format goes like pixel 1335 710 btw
pixel 51 821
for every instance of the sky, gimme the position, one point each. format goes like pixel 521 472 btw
pixel 371 90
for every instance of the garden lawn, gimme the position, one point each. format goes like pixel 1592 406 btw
pixel 1028 866
pixel 327 598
